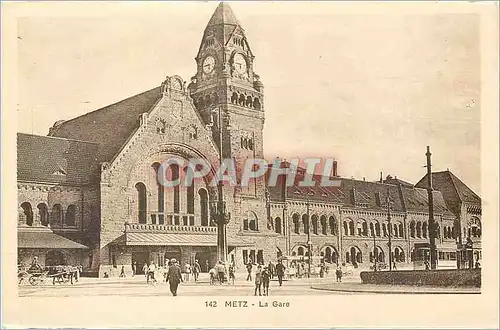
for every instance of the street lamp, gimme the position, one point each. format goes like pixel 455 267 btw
pixel 219 212
pixel 308 241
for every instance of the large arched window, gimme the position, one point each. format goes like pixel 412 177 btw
pixel 324 225
pixel 365 228
pixel 305 223
pixel 377 228
pixel 355 255
pixel 372 229
pixel 296 223
pixel 161 194
pixel 277 225
pixel 398 255
pixel 333 225
pixel 315 224
pixel 351 228
pixel 203 206
pixel 57 215
pixel 474 228
pixel 401 230
pixel 175 174
pixel 412 229
pixel 70 215
pixel 300 251
pixel 190 191
pixel 28 213
pixel 251 222
pixel 424 230
pixel 43 212
pixel 359 229
pixel 419 229
pixel 141 202
pixel 346 229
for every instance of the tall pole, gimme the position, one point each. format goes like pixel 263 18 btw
pixel 221 216
pixel 390 228
pixel 308 241
pixel 432 224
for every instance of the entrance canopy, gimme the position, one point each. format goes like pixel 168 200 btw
pixel 45 240
pixel 162 239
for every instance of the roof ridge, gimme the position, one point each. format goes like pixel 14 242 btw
pixel 57 138
pixel 454 185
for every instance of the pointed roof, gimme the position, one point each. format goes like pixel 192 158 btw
pixel 453 189
pixel 111 126
pixel 223 15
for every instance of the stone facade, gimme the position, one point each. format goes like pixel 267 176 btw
pixel 126 218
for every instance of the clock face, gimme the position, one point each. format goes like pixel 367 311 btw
pixel 208 64
pixel 240 64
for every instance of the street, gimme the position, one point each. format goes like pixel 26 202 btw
pixel 137 286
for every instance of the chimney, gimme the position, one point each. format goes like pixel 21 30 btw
pixel 334 169
pixel 381 180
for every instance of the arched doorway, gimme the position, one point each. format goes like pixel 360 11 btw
pixel 330 254
pixel 355 256
pixel 55 258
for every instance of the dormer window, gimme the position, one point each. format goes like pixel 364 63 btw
pixel 59 172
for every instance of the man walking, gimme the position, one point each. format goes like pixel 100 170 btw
pixel 196 270
pixel 174 276
pixel 271 269
pixel 266 278
pixel 221 270
pixel 280 271
pixel 151 273
pixel 249 270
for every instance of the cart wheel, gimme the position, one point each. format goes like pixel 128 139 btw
pixel 33 280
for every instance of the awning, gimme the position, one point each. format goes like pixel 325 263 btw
pixel 162 239
pixel 45 240
pixel 169 239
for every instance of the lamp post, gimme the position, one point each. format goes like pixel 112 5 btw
pixel 390 228
pixel 222 217
pixel 308 241
pixel 432 222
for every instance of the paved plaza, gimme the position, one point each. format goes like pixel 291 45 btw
pixel 137 286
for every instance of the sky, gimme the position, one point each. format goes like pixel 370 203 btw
pixel 371 89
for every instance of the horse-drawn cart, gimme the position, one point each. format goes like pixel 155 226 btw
pixel 59 274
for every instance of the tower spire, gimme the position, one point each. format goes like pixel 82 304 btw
pixel 223 15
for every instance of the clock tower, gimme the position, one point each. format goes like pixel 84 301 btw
pixel 225 80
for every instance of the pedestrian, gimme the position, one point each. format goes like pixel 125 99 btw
pixel 322 270
pixel 212 274
pixel 220 272
pixel 266 278
pixel 231 274
pixel 338 274
pixel 174 276
pixel 249 270
pixel 477 264
pixel 207 266
pixel 187 269
pixel 196 270
pixel 145 271
pixel 271 269
pixel 258 280
pixel 122 271
pixel 280 271
pixel 393 265
pixel 426 264
pixel 134 266
pixel 151 273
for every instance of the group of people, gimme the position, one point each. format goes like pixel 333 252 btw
pixel 171 274
pixel 264 274
pixel 221 273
